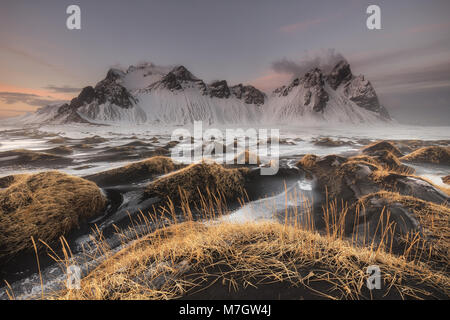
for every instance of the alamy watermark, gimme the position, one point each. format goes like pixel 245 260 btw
pixel 73 277
pixel 374 277
pixel 235 146
pixel 73 21
pixel 373 22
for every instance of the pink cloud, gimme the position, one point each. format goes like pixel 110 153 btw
pixel 429 27
pixel 300 26
pixel 270 81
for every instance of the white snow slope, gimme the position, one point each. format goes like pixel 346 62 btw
pixel 166 95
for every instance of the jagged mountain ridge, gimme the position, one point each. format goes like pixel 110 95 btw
pixel 335 97
pixel 150 94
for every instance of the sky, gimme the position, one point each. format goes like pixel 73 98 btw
pixel 259 42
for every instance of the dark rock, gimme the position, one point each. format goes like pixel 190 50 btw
pixel 67 114
pixel 361 92
pixel 86 96
pixel 219 89
pixel 284 91
pixel 351 180
pixel 178 77
pixel 110 90
pixel 374 213
pixel 318 97
pixel 341 73
pixel 315 96
pixel 249 94
pixel 415 187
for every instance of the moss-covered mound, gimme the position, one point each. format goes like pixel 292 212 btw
pixel 44 206
pixel 381 146
pixel 200 179
pixel 434 154
pixel 134 172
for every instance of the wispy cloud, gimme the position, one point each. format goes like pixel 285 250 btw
pixel 414 79
pixel 301 26
pixel 270 80
pixel 33 58
pixel 27 98
pixel 430 27
pixel 63 89
pixel 284 70
pixel 324 59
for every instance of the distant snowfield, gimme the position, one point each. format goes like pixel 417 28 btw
pixel 383 132
pixel 387 131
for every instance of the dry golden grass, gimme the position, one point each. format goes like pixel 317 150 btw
pixel 329 142
pixel 434 219
pixel 193 259
pixel 434 154
pixel 143 169
pixel 390 161
pixel 57 140
pixel 30 156
pixel 44 206
pixel 199 259
pixel 381 146
pixel 196 180
pixel 61 150
pixel 446 179
pixel 94 140
pixel 247 157
pixel 308 161
pixel 364 158
pixel 217 259
pixel 383 165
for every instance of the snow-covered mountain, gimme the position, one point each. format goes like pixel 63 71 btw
pixel 173 95
pixel 335 97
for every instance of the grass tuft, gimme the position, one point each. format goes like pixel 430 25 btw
pixel 44 206
pixel 433 154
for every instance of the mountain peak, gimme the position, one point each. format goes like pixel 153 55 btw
pixel 149 93
pixel 183 74
pixel 219 89
pixel 341 73
pixel 249 94
pixel 313 78
pixel 114 74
